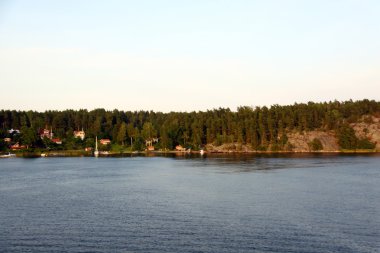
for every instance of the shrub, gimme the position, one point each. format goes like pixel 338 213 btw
pixel 275 147
pixel 315 145
pixel 289 147
pixel 346 137
pixel 365 144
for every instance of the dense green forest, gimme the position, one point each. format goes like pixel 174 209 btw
pixel 261 127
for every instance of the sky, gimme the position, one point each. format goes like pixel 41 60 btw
pixel 170 55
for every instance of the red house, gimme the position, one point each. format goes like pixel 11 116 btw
pixel 17 146
pixel 105 141
pixel 57 141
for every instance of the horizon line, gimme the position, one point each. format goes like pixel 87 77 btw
pixel 190 111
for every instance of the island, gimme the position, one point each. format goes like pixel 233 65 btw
pixel 334 126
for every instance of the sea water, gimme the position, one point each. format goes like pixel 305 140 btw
pixel 325 203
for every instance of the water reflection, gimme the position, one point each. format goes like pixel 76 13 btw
pixel 245 163
pixel 250 162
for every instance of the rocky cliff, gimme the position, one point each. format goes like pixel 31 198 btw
pixel 367 127
pixel 300 142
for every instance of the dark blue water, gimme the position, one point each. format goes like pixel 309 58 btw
pixel 214 204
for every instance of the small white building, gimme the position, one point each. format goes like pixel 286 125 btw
pixel 14 131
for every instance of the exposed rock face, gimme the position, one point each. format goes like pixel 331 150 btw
pixel 369 129
pixel 300 142
pixel 229 147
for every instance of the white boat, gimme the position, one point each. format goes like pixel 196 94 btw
pixel 43 155
pixel 9 155
pixel 96 152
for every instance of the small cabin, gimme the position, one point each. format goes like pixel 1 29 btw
pixel 150 148
pixel 79 134
pixel 105 141
pixel 7 139
pixel 46 133
pixel 57 141
pixel 17 146
pixel 88 149
pixel 180 148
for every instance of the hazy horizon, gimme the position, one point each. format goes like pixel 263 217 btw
pixel 186 56
pixel 184 111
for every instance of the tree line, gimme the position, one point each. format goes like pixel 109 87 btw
pixel 261 127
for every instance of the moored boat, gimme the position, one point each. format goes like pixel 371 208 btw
pixel 9 155
pixel 96 152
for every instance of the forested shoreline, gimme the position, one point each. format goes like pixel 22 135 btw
pixel 262 128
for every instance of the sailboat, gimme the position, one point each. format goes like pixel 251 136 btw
pixel 96 152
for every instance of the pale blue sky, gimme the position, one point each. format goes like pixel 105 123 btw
pixel 186 55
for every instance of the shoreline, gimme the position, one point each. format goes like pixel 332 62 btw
pixel 80 153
